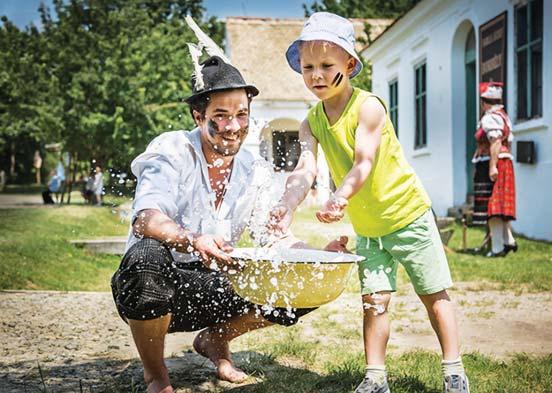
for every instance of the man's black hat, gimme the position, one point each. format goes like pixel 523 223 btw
pixel 218 76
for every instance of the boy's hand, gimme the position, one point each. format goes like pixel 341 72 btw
pixel 280 219
pixel 338 245
pixel 333 210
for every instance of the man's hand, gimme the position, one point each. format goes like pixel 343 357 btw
pixel 338 245
pixel 333 210
pixel 493 173
pixel 212 249
pixel 280 219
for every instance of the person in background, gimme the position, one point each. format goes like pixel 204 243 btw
pixel 87 181
pixel 97 186
pixel 2 179
pixel 37 165
pixel 494 181
pixel 54 185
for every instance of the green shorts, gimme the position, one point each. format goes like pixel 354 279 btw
pixel 417 247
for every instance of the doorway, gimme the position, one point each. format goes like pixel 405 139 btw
pixel 471 109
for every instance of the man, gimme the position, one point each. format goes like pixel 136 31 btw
pixel 196 193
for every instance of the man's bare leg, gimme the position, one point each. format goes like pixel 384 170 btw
pixel 149 337
pixel 443 320
pixel 213 343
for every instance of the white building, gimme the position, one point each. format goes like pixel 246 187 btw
pixel 257 47
pixel 427 66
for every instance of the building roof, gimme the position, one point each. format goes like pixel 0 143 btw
pixel 257 47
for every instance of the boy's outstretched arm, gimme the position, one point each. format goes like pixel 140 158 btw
pixel 367 140
pixel 298 183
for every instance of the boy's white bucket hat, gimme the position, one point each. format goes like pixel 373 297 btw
pixel 324 26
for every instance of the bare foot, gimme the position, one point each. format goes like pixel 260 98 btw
pixel 216 349
pixel 158 385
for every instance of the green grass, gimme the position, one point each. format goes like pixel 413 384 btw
pixel 279 365
pixel 24 188
pixel 35 252
pixel 529 269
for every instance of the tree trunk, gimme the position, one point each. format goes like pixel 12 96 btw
pixel 67 179
pixel 72 176
pixel 12 160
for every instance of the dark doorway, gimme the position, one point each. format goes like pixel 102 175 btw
pixel 471 108
pixel 285 150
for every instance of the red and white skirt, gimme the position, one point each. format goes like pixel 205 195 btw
pixel 503 197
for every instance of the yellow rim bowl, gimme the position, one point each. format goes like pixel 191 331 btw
pixel 298 278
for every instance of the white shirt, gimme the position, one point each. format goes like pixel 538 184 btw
pixel 97 186
pixel 172 177
pixel 493 123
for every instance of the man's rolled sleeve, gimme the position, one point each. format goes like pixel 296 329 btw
pixel 157 186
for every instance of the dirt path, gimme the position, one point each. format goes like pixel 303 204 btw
pixel 79 337
pixel 18 201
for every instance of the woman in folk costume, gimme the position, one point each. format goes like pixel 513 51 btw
pixel 494 183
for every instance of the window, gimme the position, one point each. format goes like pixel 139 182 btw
pixel 421 107
pixel 394 104
pixel 528 27
pixel 285 150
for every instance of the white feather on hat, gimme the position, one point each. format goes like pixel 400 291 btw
pixel 195 52
pixel 205 42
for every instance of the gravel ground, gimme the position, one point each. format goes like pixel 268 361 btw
pixel 77 339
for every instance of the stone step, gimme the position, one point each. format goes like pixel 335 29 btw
pixel 459 211
pixel 109 245
pixel 443 222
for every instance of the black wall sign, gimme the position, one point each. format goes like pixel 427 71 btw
pixel 492 51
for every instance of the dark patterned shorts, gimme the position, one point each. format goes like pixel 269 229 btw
pixel 149 284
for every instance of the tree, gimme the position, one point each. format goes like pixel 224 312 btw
pixel 362 8
pixel 102 76
pixel 30 106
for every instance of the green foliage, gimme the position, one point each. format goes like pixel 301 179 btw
pixel 364 79
pixel 362 8
pixel 103 77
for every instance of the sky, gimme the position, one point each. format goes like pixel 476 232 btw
pixel 24 12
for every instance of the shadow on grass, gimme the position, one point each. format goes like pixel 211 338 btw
pixel 471 251
pixel 66 375
pixel 189 373
pixel 276 377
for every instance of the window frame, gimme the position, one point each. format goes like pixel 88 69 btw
pixel 420 105
pixel 524 84
pixel 394 104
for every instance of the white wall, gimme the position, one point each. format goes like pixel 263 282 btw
pixel 434 31
pixel 284 116
pixel 534 182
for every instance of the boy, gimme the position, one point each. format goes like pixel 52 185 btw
pixel 388 206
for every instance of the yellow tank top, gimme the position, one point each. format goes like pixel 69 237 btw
pixel 392 196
